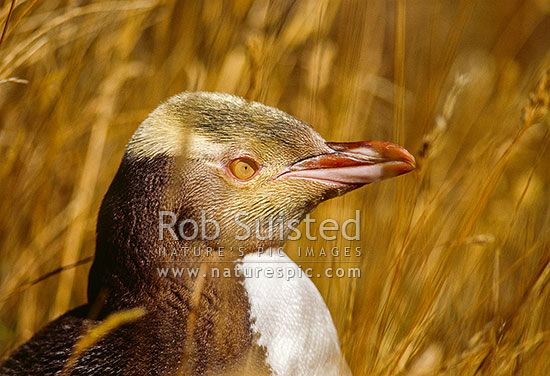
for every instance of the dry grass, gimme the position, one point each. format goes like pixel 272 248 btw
pixel 455 264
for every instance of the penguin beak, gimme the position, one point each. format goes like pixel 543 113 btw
pixel 354 163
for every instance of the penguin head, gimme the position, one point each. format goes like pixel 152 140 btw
pixel 247 166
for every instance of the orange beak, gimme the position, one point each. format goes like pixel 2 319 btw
pixel 354 163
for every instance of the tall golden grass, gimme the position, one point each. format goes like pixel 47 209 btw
pixel 455 264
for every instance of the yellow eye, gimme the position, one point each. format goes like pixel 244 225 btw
pixel 243 168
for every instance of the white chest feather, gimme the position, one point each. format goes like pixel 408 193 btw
pixel 291 318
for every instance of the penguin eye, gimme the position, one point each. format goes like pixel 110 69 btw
pixel 243 168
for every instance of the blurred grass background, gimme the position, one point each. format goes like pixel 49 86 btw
pixel 455 264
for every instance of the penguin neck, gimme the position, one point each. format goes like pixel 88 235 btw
pixel 125 275
pixel 128 247
pixel 133 264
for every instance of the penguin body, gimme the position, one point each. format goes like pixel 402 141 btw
pixel 215 156
pixel 292 321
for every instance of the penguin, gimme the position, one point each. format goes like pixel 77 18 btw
pixel 186 232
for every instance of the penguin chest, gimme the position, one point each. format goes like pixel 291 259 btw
pixel 290 318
